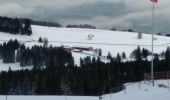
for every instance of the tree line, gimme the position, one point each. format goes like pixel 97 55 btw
pixel 81 26
pixel 94 78
pixel 45 23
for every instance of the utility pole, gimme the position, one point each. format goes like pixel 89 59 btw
pixel 153 26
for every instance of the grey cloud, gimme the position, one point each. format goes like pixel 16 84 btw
pixel 103 13
pixel 91 11
pixel 12 9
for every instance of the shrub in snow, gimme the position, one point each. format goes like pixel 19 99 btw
pixel 45 40
pixel 90 36
pixel 154 38
pixel 139 35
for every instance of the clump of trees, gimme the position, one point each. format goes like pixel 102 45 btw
pixel 139 35
pixel 44 41
pixel 37 56
pixel 82 26
pixel 113 29
pixel 7 51
pixel 15 26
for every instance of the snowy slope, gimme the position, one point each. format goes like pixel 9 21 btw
pixel 133 92
pixel 113 41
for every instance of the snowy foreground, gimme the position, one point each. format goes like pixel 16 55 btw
pixel 143 91
pixel 134 91
pixel 109 41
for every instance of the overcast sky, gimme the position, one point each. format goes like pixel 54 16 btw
pixel 105 14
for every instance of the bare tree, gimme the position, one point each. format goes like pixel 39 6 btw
pixel 45 41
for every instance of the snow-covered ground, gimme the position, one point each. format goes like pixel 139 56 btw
pixel 48 98
pixel 12 66
pixel 113 41
pixel 134 91
pixel 143 91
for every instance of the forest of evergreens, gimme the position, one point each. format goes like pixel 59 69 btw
pixel 54 71
pixel 15 26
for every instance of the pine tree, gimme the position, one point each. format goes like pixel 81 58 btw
pixel 109 56
pixel 156 58
pixel 81 62
pixel 162 54
pixel 138 54
pixel 93 60
pixel 145 53
pixel 118 58
pixel 40 40
pixel 167 54
pixel 18 56
pixel 100 52
pixel 123 55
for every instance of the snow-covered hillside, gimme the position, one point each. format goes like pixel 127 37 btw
pixel 134 91
pixel 113 41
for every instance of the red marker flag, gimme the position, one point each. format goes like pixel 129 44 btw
pixel 154 1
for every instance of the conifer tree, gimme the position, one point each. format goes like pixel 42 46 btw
pixel 40 40
pixel 118 58
pixel 109 56
pixel 123 55
pixel 167 54
pixel 100 52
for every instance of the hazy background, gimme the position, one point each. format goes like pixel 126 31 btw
pixel 104 14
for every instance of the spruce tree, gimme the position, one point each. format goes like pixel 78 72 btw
pixel 109 56
pixel 40 40
pixel 123 55
pixel 145 53
pixel 138 54
pixel 167 54
pixel 100 52
pixel 118 58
